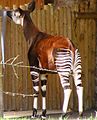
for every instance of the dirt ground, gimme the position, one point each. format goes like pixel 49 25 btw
pixel 54 115
pixel 87 115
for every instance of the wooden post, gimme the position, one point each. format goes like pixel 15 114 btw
pixel 1 95
pixel 1 88
pixel 3 29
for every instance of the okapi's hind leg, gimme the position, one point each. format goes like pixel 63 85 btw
pixel 35 80
pixel 77 71
pixel 43 78
pixel 63 62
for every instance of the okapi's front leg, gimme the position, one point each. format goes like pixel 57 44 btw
pixel 43 78
pixel 33 61
pixel 35 80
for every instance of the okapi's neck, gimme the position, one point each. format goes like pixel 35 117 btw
pixel 30 31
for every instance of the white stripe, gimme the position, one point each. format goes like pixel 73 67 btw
pixel 34 73
pixel 35 102
pixel 43 103
pixel 43 77
pixel 36 88
pixel 43 88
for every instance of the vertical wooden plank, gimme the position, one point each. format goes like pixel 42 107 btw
pixel 59 92
pixel 69 23
pixel 91 62
pixel 86 66
pixel 38 13
pixel 56 22
pixel 48 21
pixel 8 81
pixel 52 19
pixel 61 21
pixel 53 86
pixel 65 21
pixel 93 36
pixel 13 43
pixel 43 19
pixel 3 33
pixel 49 98
pixel 25 71
pixel 19 82
pixel 1 79
pixel 87 59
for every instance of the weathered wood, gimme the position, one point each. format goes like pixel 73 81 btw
pixel 2 58
pixel 86 15
pixel 1 79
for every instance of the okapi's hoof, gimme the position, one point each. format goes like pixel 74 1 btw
pixel 43 117
pixel 34 117
pixel 63 116
pixel 81 115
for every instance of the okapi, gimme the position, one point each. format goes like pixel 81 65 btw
pixel 52 53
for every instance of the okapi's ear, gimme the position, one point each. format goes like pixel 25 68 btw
pixel 9 14
pixel 31 6
pixel 21 11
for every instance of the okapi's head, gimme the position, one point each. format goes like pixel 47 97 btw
pixel 18 14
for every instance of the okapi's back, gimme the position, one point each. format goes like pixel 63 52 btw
pixel 55 42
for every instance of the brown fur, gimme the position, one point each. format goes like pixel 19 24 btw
pixel 45 49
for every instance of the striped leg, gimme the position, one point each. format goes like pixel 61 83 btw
pixel 35 80
pixel 43 78
pixel 78 83
pixel 63 61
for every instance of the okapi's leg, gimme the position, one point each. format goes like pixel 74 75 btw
pixel 67 91
pixel 35 80
pixel 63 63
pixel 43 78
pixel 77 71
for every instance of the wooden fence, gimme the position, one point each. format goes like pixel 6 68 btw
pixel 63 22
pixel 10 3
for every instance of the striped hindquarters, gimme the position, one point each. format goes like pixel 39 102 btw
pixel 64 62
pixel 77 69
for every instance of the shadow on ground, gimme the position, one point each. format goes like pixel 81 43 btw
pixel 88 115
